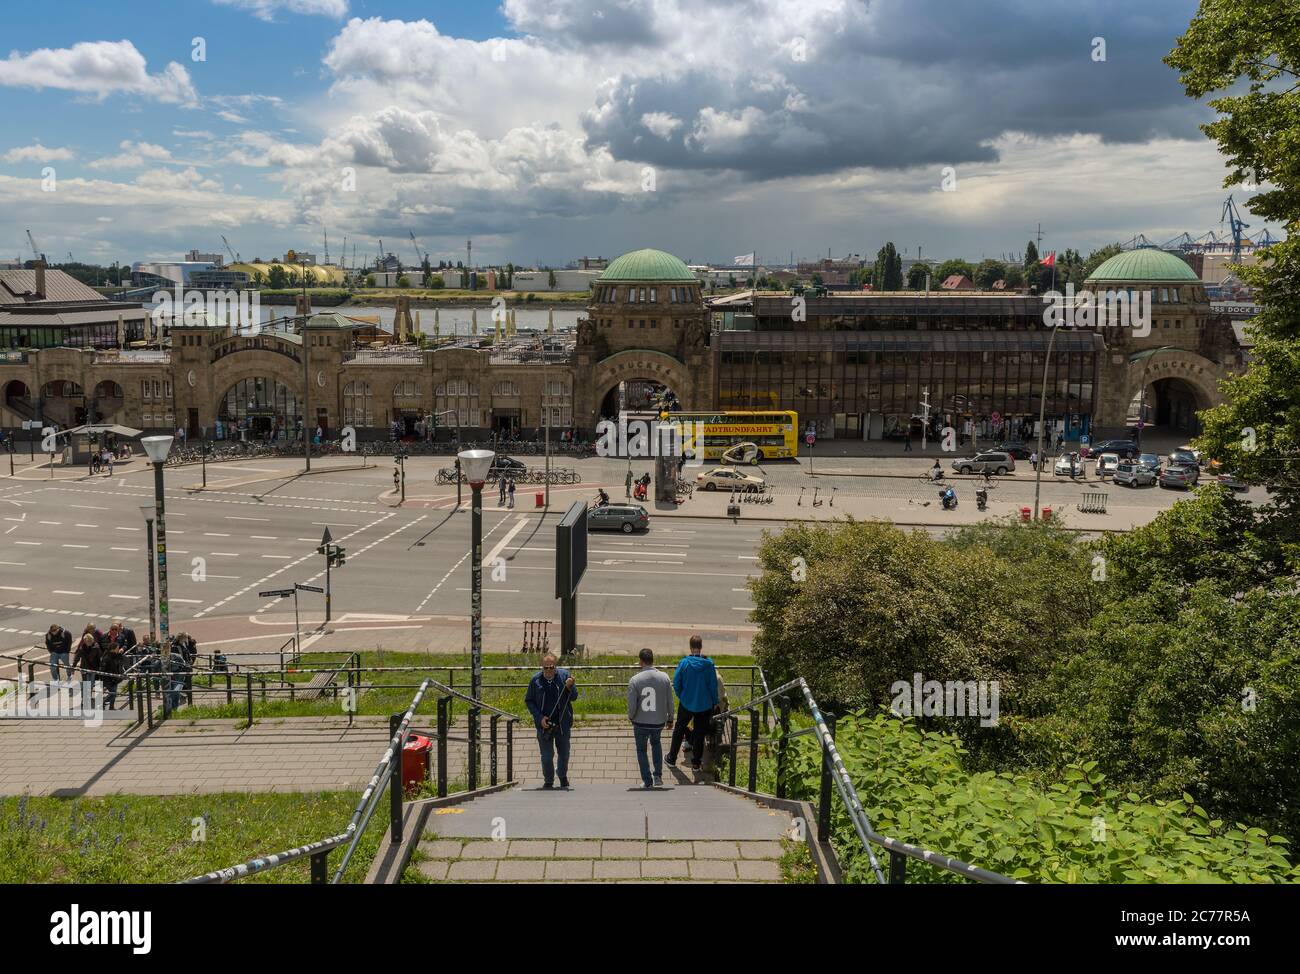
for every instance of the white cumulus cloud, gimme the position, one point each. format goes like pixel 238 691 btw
pixel 98 68
pixel 267 9
pixel 36 153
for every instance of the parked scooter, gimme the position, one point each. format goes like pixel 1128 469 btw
pixel 981 497
pixel 948 497
pixel 642 488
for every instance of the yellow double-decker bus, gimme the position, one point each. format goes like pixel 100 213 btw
pixel 774 432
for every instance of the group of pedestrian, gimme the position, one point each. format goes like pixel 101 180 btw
pixel 696 687
pixel 104 656
pixel 506 492
pixel 101 461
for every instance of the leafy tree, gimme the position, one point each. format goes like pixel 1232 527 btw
pixel 426 270
pixel 277 277
pixel 1031 254
pixel 510 275
pixel 887 274
pixel 916 275
pixel 1014 277
pixel 1099 257
pixel 1248 57
pixel 550 279
pixel 370 280
pixel 403 281
pixel 435 282
pixel 954 266
pixel 989 271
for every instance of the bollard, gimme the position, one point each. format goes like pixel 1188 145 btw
pixel 442 745
pixel 753 750
pixel 824 800
pixel 395 782
pixel 248 682
pixel 510 750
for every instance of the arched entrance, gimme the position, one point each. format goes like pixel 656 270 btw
pixel 636 395
pixel 1170 386
pixel 64 402
pixel 106 401
pixel 261 407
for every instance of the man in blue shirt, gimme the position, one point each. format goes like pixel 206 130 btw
pixel 549 699
pixel 696 683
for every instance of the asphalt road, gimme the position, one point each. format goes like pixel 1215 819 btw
pixel 73 550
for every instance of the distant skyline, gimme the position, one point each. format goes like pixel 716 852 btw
pixel 546 130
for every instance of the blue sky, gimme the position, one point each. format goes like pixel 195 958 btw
pixel 549 129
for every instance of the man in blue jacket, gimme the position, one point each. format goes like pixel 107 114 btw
pixel 696 683
pixel 549 699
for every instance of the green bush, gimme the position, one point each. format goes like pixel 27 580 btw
pixel 914 788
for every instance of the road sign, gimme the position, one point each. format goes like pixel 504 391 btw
pixel 996 417
pixel 810 438
pixel 276 593
pixel 309 588
pixel 326 538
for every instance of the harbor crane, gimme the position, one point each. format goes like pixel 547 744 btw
pixel 36 251
pixel 229 249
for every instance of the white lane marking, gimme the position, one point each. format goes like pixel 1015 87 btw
pixel 742 608
pixel 434 591
pixel 131 597
pixel 519 526
pixel 175 551
pixel 740 590
pixel 88 507
pixel 87 568
pixel 14 588
pixel 214 534
pixel 618 595
pixel 186 601
pixel 312 540
pixel 137 549
pixel 56 523
pixel 28 542
pixel 616 551
pixel 747 557
pixel 128 529
pixel 75 546
pixel 263 537
pixel 16 564
pixel 236 517
pixel 497 590
pixel 60 591
pixel 226 554
pixel 280 557
pixel 334 524
pixel 87 525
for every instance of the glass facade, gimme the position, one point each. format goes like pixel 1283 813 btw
pixel 261 404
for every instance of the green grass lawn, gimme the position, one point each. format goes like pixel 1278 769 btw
pixel 164 839
pixel 600 691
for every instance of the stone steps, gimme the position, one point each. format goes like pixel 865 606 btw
pixel 598 860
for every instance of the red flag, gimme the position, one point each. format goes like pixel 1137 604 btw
pixel 1049 260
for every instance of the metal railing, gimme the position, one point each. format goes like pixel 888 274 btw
pixel 388 776
pixel 834 778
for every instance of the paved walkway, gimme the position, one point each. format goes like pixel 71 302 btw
pixel 64 757
pixel 605 832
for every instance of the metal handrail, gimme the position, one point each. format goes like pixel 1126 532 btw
pixel 853 804
pixel 380 781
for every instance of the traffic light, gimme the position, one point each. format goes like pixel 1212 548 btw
pixel 340 556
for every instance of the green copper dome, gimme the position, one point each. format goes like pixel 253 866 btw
pixel 647 265
pixel 1144 264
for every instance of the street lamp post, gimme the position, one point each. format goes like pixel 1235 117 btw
pixel 476 464
pixel 1042 420
pixel 157 447
pixel 148 512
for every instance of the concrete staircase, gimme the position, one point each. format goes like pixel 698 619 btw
pixel 604 832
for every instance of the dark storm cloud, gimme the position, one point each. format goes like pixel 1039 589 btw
pixel 896 84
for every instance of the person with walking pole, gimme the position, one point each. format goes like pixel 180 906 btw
pixel 549 699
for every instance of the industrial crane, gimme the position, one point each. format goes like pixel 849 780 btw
pixel 1233 216
pixel 36 251
pixel 231 250
pixel 327 245
pixel 419 257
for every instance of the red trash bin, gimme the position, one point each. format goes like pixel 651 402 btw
pixel 541 499
pixel 1026 513
pixel 415 761
pixel 1047 513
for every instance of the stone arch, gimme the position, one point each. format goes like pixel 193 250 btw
pixel 632 364
pixel 1174 384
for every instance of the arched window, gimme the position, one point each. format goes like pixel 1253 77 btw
pixel 407 389
pixel 108 389
pixel 358 404
pixel 460 396
pixel 506 388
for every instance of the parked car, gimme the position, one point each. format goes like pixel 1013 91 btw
pixel 1125 449
pixel 729 478
pixel 1129 473
pixel 1016 448
pixel 1184 456
pixel 1179 475
pixel 1106 464
pixel 1069 465
pixel 991 461
pixel 502 464
pixel 618 517
pixel 1151 462
pixel 1233 482
pixel 1200 457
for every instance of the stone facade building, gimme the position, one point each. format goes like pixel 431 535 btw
pixel 856 364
